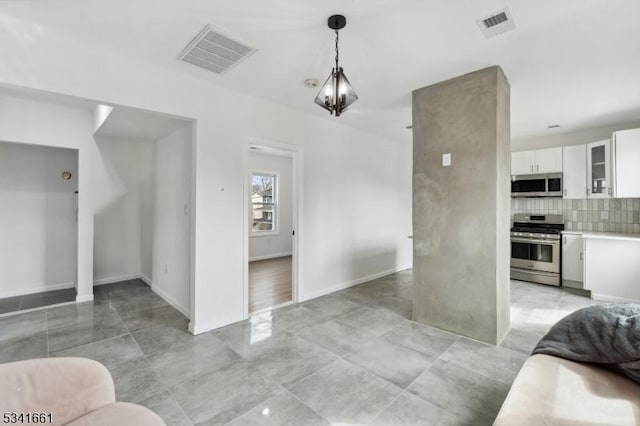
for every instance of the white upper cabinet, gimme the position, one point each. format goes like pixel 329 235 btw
pixel 599 169
pixel 574 171
pixel 626 146
pixel 537 161
pixel 604 169
pixel 522 162
pixel 548 160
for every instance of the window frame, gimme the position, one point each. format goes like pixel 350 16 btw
pixel 275 204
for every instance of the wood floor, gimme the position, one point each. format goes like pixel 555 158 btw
pixel 269 283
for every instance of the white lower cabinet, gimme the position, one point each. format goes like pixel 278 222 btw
pixel 611 267
pixel 572 261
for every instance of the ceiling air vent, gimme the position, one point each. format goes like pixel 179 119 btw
pixel 214 51
pixel 497 23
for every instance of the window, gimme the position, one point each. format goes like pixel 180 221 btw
pixel 263 203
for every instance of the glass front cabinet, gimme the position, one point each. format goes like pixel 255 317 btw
pixel 599 183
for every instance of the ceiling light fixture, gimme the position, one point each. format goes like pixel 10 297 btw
pixel 311 83
pixel 336 93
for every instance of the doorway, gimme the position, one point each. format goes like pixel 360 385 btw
pixel 142 205
pixel 38 225
pixel 272 205
pixel 101 195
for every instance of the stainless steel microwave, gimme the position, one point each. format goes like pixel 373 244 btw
pixel 542 185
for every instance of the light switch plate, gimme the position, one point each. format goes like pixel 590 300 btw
pixel 446 160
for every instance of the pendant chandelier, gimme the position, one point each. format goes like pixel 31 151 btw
pixel 336 93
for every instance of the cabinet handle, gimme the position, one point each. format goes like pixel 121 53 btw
pixel 532 167
pixel 564 192
pixel 581 255
pixel 537 168
pixel 565 240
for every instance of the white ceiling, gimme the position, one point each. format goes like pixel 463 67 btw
pixel 571 62
pixel 135 124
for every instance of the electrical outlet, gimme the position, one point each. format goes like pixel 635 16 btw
pixel 446 160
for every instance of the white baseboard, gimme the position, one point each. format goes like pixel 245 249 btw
pixel 84 298
pixel 343 286
pixel 170 300
pixel 111 280
pixel 269 256
pixel 212 325
pixel 146 280
pixel 612 299
pixel 38 289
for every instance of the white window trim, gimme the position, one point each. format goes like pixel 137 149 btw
pixel 276 205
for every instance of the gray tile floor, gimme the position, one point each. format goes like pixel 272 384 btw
pixel 36 300
pixel 351 357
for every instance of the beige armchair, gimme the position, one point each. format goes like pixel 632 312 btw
pixel 555 391
pixel 76 391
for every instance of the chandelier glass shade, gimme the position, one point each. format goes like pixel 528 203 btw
pixel 336 93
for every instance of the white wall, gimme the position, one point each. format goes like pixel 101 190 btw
pixel 357 209
pixel 356 185
pixel 269 246
pixel 102 112
pixel 147 185
pixel 118 209
pixel 28 122
pixel 172 221
pixel 38 234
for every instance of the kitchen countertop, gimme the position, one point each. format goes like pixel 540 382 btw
pixel 604 235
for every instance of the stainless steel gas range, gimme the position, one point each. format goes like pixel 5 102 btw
pixel 535 248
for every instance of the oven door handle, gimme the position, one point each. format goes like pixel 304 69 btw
pixel 534 241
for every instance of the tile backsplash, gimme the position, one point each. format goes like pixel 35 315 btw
pixel 606 215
